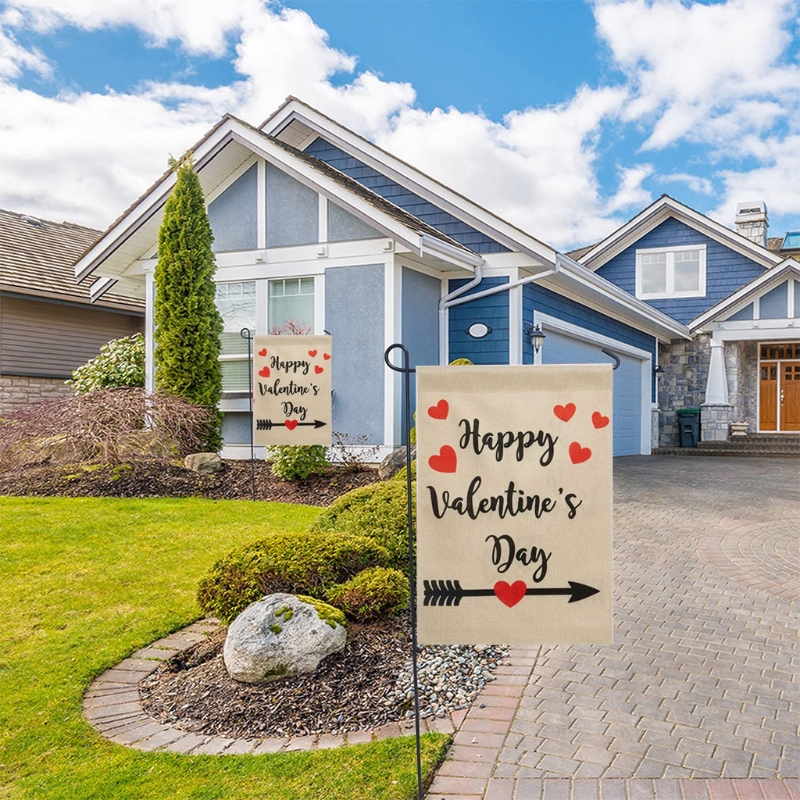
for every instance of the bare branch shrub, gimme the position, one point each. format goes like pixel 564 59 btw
pixel 353 453
pixel 106 426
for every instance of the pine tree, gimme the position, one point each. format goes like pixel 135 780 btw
pixel 188 325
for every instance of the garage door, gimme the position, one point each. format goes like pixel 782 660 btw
pixel 559 348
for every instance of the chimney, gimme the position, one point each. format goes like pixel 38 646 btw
pixel 752 221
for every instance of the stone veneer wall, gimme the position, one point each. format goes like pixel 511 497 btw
pixel 683 383
pixel 16 392
pixel 741 368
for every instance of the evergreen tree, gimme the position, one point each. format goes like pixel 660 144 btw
pixel 188 325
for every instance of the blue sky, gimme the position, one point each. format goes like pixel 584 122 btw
pixel 565 116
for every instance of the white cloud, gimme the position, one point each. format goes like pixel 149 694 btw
pixel 694 182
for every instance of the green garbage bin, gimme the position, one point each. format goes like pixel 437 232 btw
pixel 689 426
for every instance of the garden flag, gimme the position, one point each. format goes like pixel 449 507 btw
pixel 514 504
pixel 292 390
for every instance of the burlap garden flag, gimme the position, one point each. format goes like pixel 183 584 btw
pixel 292 390
pixel 514 504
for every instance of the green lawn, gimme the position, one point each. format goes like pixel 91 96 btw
pixel 85 582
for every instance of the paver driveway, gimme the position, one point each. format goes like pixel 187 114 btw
pixel 702 680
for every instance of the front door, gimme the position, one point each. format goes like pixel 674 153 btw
pixel 779 387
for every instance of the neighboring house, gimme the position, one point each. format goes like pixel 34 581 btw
pixel 48 324
pixel 738 292
pixel 317 227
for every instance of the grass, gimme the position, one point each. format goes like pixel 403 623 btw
pixel 87 581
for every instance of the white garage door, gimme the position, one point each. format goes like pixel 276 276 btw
pixel 559 348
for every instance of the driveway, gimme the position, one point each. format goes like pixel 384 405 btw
pixel 702 680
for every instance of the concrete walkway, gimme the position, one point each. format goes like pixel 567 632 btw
pixel 698 697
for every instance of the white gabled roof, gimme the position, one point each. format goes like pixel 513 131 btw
pixel 757 287
pixel 299 124
pixel 662 209
pixel 225 148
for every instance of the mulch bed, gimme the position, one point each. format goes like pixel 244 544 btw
pixel 143 479
pixel 346 693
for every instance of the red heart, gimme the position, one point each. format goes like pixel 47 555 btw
pixel 312 353
pixel 598 420
pixel 262 352
pixel 510 593
pixel 446 461
pixel 264 372
pixel 564 413
pixel 440 410
pixel 326 356
pixel 318 369
pixel 579 454
pixel 291 424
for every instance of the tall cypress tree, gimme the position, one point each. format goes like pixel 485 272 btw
pixel 188 325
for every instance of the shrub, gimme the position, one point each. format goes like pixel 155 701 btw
pixel 400 475
pixel 291 462
pixel 374 593
pixel 120 364
pixel 377 511
pixel 106 426
pixel 461 362
pixel 295 563
pixel 352 453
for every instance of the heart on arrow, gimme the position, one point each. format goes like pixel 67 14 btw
pixel 312 353
pixel 598 420
pixel 318 369
pixel 510 593
pixel 579 454
pixel 264 372
pixel 440 410
pixel 291 424
pixel 326 356
pixel 446 461
pixel 262 352
pixel 564 413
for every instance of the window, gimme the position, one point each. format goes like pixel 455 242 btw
pixel 291 306
pixel 237 305
pixel 671 272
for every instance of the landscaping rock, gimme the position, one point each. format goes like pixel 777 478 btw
pixel 203 462
pixel 282 635
pixel 394 462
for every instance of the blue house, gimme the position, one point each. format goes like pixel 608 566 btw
pixel 738 293
pixel 317 229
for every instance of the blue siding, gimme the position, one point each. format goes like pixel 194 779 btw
pixel 402 197
pixel 493 310
pixel 726 270
pixel 537 298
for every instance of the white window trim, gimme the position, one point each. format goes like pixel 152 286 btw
pixel 670 266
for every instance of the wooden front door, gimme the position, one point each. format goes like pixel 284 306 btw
pixel 779 387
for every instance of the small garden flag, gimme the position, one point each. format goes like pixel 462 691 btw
pixel 514 504
pixel 292 390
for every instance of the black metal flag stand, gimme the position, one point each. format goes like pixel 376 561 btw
pixel 406 371
pixel 245 334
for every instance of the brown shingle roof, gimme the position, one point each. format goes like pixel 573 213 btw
pixel 36 258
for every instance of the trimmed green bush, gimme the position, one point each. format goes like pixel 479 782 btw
pixel 291 462
pixel 374 593
pixel 295 563
pixel 461 362
pixel 120 364
pixel 400 475
pixel 377 511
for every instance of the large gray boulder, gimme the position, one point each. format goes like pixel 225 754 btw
pixel 281 635
pixel 394 462
pixel 203 462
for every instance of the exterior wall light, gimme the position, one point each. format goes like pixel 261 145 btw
pixel 478 330
pixel 536 335
pixel 658 370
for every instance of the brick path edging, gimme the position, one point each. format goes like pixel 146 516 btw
pixel 113 707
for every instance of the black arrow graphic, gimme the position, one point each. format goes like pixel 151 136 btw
pixel 268 424
pixel 450 593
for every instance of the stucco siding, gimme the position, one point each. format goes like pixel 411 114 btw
pixel 354 316
pixel 233 214
pixel 380 184
pixel 726 270
pixel 420 321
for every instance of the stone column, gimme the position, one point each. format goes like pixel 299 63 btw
pixel 717 385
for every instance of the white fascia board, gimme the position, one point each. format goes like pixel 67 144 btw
pixel 100 287
pixel 410 177
pixel 654 215
pixel 638 313
pixel 150 203
pixel 747 293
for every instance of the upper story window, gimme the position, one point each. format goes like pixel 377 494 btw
pixel 665 272
pixel 291 306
